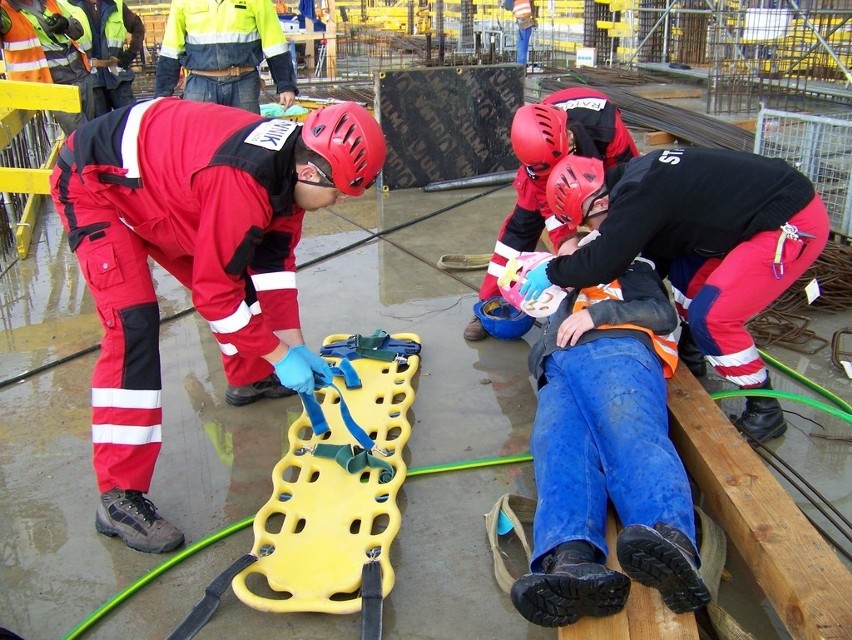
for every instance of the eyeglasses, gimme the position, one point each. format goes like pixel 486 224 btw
pixel 328 181
pixel 357 182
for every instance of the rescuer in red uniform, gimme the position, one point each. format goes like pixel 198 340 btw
pixel 578 121
pixel 216 196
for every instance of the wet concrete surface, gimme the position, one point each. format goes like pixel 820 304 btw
pixel 474 401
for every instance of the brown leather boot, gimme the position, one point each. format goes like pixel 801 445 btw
pixel 474 330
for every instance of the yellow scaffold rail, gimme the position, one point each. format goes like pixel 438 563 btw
pixel 18 103
pixel 324 523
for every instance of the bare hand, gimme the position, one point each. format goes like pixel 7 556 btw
pixel 573 327
pixel 287 99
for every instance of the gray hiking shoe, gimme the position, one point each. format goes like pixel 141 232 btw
pixel 133 518
pixel 269 387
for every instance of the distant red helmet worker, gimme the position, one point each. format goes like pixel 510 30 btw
pixel 539 137
pixel 349 137
pixel 573 186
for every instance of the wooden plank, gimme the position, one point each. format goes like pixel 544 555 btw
pixel 658 137
pixel 748 125
pixel 667 92
pixel 798 571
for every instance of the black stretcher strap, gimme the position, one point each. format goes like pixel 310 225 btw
pixel 371 601
pixel 203 611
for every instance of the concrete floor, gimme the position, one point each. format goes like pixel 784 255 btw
pixel 474 400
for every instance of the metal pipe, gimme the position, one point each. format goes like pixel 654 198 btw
pixel 485 180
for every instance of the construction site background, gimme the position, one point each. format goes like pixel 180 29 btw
pixel 751 52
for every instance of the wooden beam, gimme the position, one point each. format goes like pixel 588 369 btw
pixel 798 571
pixel 658 137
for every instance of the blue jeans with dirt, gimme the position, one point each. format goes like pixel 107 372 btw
pixel 522 53
pixel 601 434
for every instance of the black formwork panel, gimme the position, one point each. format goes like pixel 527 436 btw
pixel 447 123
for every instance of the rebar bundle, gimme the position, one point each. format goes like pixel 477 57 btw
pixel 699 129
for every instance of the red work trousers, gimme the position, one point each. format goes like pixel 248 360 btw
pixel 718 296
pixel 126 381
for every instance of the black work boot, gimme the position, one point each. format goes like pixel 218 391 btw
pixel 763 418
pixel 269 387
pixel 689 353
pixel 663 558
pixel 572 585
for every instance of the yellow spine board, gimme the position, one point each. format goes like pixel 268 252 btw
pixel 321 522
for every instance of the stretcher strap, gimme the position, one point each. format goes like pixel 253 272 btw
pixel 379 346
pixel 206 607
pixel 371 601
pixel 355 460
pixel 320 424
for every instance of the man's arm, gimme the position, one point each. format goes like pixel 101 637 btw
pixel 646 302
pixel 276 50
pixel 171 51
pixel 136 28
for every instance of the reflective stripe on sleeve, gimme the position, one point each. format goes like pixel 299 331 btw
pixel 274 281
pixel 234 322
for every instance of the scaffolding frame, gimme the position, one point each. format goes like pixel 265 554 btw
pixel 750 54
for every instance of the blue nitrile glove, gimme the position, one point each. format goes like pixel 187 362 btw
pixel 322 371
pixel 294 373
pixel 536 282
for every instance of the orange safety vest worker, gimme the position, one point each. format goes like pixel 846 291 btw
pixel 30 52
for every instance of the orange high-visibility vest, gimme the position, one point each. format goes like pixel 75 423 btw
pixel 521 9
pixel 664 346
pixel 22 49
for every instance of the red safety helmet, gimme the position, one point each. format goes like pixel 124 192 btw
pixel 573 179
pixel 349 137
pixel 539 137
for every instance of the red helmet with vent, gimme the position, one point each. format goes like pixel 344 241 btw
pixel 573 179
pixel 539 136
pixel 349 137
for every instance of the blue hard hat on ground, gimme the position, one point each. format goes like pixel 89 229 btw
pixel 502 320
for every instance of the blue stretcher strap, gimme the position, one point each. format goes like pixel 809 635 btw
pixel 347 371
pixel 320 425
pixel 379 346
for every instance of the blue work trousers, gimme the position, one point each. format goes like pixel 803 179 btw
pixel 601 432
pixel 523 49
pixel 242 92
